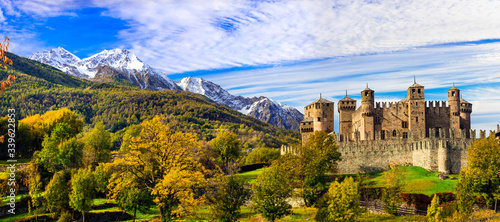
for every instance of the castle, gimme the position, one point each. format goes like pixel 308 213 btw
pixel 412 131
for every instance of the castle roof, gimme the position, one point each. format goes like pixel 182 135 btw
pixel 464 101
pixel 452 88
pixel 416 85
pixel 367 89
pixel 404 100
pixel 308 119
pixel 347 98
pixel 321 100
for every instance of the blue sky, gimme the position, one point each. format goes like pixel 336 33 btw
pixel 290 51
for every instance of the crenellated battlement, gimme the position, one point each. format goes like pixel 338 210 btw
pixel 389 105
pixel 435 104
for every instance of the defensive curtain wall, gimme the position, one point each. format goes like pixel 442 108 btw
pixel 444 151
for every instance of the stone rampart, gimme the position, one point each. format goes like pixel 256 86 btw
pixel 444 151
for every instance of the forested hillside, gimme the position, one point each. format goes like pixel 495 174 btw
pixel 40 88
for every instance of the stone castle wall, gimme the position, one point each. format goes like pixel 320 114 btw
pixel 446 152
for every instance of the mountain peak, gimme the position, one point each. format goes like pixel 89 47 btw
pixel 125 63
pixel 262 108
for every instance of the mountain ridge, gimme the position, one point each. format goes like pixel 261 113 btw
pixel 117 65
pixel 261 108
pixel 125 64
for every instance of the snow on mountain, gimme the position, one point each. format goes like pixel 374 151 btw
pixel 121 63
pixel 261 108
pixel 60 59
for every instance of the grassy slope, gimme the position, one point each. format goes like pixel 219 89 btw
pixel 418 180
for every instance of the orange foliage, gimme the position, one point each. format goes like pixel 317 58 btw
pixel 4 61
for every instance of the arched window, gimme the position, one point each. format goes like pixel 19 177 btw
pixel 394 133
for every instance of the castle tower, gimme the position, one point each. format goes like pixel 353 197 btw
pixel 416 108
pixel 465 111
pixel 317 116
pixel 367 110
pixel 454 104
pixel 346 108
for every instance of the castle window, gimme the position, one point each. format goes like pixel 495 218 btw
pixel 418 90
pixel 404 124
pixel 394 133
pixel 342 102
pixel 412 91
pixel 377 120
pixel 416 103
pixel 416 118
pixel 366 93
pixel 405 135
pixel 452 93
pixel 319 119
pixel 328 104
pixel 382 134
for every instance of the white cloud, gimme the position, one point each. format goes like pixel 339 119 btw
pixel 188 34
pixel 47 8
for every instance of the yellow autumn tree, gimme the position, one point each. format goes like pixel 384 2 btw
pixel 4 61
pixel 41 125
pixel 165 163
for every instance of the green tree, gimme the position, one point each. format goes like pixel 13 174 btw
pixel 231 195
pixel 57 193
pixel 97 144
pixel 227 146
pixel 316 158
pixel 82 190
pixel 131 131
pixel 101 176
pixel 129 194
pixel 35 185
pixel 480 177
pixel 166 164
pixel 434 212
pixel 271 189
pixel 392 195
pixel 60 150
pixel 261 155
pixel 342 202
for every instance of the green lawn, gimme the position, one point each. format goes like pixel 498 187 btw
pixel 418 180
pixel 250 176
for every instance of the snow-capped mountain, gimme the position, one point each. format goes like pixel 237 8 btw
pixel 117 63
pixel 122 64
pixel 261 108
pixel 60 59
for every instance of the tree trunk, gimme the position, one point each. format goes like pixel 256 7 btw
pixel 135 210
pixel 161 214
pixel 496 200
pixel 83 213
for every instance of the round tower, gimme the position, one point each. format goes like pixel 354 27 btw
pixel 454 101
pixel 367 101
pixel 416 108
pixel 465 111
pixel 367 132
pixel 454 106
pixel 346 108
